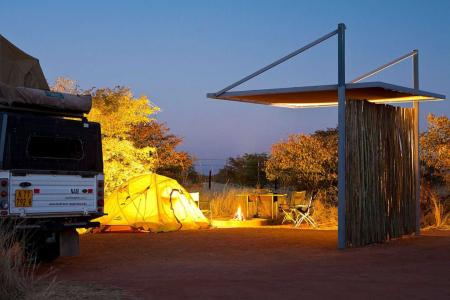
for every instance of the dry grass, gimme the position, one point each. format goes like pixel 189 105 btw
pixel 325 215
pixel 17 275
pixel 85 291
pixel 438 210
pixel 225 201
pixel 435 206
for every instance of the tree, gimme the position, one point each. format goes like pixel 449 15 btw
pixel 435 150
pixel 118 112
pixel 246 170
pixel 133 143
pixel 435 161
pixel 168 161
pixel 65 85
pixel 306 162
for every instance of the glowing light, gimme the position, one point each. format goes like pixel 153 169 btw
pixel 239 216
pixel 331 104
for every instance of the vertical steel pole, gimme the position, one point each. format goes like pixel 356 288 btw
pixel 209 179
pixel 415 59
pixel 341 128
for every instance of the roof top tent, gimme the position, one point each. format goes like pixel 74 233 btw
pixel 339 95
pixel 19 68
pixel 23 87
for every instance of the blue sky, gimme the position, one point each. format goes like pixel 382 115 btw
pixel 176 51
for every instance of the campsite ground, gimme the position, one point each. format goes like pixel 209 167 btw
pixel 262 263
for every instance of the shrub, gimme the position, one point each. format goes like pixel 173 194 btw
pixel 17 274
pixel 436 212
pixel 325 214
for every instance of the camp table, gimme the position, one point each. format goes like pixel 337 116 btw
pixel 257 197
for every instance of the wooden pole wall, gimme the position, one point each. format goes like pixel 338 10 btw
pixel 380 175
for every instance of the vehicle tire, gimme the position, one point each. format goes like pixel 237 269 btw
pixel 43 247
pixel 49 252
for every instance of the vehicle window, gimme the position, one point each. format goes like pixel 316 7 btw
pixel 54 147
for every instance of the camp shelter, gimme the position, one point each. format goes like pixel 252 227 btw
pixel 378 170
pixel 151 202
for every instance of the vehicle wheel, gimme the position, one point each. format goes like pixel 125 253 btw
pixel 43 247
pixel 49 252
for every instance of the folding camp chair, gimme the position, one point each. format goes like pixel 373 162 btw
pixel 203 205
pixel 298 198
pixel 303 212
pixel 287 212
pixel 288 209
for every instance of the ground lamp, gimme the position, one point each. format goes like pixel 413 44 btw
pixel 380 140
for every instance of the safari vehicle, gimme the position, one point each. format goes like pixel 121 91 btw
pixel 51 178
pixel 51 166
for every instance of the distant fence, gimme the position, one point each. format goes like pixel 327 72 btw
pixel 380 177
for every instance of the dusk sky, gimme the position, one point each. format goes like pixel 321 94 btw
pixel 176 51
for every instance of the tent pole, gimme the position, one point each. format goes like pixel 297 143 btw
pixel 415 59
pixel 341 128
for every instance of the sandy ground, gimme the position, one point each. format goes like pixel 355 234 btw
pixel 250 263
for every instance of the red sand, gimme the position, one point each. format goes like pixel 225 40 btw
pixel 261 263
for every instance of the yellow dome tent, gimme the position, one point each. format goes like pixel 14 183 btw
pixel 151 202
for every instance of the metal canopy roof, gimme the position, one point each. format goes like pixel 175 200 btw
pixel 327 95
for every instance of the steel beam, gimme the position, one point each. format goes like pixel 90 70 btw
pixel 415 60
pixel 341 129
pixel 385 66
pixel 276 63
